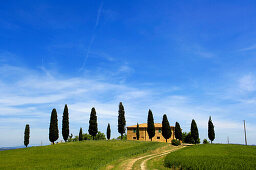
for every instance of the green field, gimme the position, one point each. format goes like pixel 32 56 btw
pixel 213 156
pixel 73 155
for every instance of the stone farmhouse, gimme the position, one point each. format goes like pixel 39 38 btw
pixel 131 133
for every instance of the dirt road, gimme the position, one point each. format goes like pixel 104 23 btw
pixel 141 161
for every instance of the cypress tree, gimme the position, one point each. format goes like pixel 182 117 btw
pixel 211 133
pixel 166 128
pixel 26 135
pixel 178 133
pixel 121 120
pixel 150 125
pixel 194 131
pixel 80 135
pixel 65 124
pixel 108 132
pixel 138 132
pixel 93 126
pixel 53 130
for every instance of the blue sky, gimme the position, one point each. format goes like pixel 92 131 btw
pixel 186 59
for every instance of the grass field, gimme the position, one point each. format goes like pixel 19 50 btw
pixel 73 155
pixel 215 156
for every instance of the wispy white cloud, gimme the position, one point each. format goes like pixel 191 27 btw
pixel 198 50
pixel 27 96
pixel 252 47
pixel 204 54
pixel 248 83
pixel 99 14
pixel 92 37
pixel 125 69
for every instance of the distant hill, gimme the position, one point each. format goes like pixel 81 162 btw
pixel 10 148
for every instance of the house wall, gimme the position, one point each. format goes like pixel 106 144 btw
pixel 131 135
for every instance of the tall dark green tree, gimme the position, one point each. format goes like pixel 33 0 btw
pixel 178 133
pixel 150 125
pixel 53 130
pixel 211 132
pixel 194 131
pixel 121 120
pixel 138 132
pixel 80 138
pixel 108 132
pixel 26 135
pixel 166 128
pixel 93 126
pixel 65 124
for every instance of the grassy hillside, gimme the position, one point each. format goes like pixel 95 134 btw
pixel 215 156
pixel 73 155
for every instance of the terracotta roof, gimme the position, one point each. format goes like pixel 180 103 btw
pixel 144 125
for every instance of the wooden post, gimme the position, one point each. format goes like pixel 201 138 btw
pixel 245 134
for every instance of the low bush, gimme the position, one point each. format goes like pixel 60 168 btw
pixel 175 142
pixel 124 137
pixel 205 141
pixel 187 138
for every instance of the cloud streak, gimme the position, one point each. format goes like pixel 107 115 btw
pixel 252 47
pixel 92 37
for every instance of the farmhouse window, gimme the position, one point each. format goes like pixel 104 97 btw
pixel 158 137
pixel 134 130
pixel 134 137
pixel 160 130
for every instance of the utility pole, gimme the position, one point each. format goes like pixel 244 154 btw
pixel 245 134
pixel 228 140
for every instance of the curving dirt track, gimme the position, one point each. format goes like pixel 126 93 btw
pixel 143 163
pixel 129 164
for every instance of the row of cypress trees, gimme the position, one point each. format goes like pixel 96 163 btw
pixel 53 129
pixel 195 134
pixel 93 128
pixel 166 129
pixel 93 125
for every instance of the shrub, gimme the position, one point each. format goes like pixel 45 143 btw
pixel 86 136
pixel 100 136
pixel 187 138
pixel 205 141
pixel 175 142
pixel 124 137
